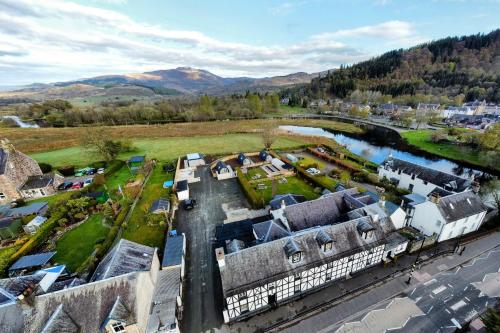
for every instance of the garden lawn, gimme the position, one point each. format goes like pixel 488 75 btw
pixel 307 161
pixel 169 148
pixel 256 171
pixel 120 177
pixel 421 139
pixel 78 244
pixel 294 185
pixel 138 230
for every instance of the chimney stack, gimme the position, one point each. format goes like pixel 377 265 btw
pixel 475 187
pixel 219 255
pixel 434 197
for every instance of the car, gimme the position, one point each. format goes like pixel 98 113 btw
pixel 77 185
pixel 189 204
pixel 321 150
pixel 87 182
pixel 313 171
pixel 100 171
pixel 65 186
pixel 91 171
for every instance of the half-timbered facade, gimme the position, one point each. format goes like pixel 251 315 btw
pixel 301 261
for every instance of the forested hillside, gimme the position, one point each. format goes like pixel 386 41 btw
pixel 468 66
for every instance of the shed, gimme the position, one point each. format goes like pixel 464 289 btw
pixel 292 158
pixel 173 255
pixel 31 263
pixel 160 206
pixel 9 227
pixel 33 226
pixel 194 160
pixel 244 160
pixel 264 156
pixel 135 162
pixel 39 208
pixel 221 167
pixel 182 189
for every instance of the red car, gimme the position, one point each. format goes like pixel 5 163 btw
pixel 77 185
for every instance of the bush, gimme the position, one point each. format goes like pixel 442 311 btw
pixel 45 167
pixel 98 165
pixel 68 170
pixel 113 166
pixel 252 196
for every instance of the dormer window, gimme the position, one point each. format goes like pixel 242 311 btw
pixel 324 240
pixel 293 251
pixel 296 257
pixel 118 327
pixel 328 246
pixel 413 176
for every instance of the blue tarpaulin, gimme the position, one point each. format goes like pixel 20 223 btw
pixel 168 184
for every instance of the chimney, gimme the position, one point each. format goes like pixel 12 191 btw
pixel 475 187
pixel 283 205
pixel 381 202
pixel 434 197
pixel 219 255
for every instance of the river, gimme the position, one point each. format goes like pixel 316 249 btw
pixel 21 123
pixel 379 146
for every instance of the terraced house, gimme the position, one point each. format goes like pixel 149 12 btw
pixel 304 247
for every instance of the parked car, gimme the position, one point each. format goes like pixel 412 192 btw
pixel 100 171
pixel 91 171
pixel 87 182
pixel 321 150
pixel 77 185
pixel 313 171
pixel 189 204
pixel 65 186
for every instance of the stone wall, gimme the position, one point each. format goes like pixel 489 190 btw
pixel 17 170
pixel 8 189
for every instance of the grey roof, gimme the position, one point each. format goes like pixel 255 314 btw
pixel 220 166
pixel 268 261
pixel 414 198
pixel 34 260
pixel 6 222
pixel 289 199
pixel 60 285
pixel 442 179
pixel 460 205
pixel 395 239
pixel 12 287
pixel 161 204
pixel 182 185
pixel 35 182
pixel 174 248
pixel 364 226
pixel 291 247
pixel 119 312
pixel 270 230
pixel 324 210
pixel 234 245
pixel 60 322
pixel 241 158
pixel 323 238
pixel 390 207
pixel 33 208
pixel 137 159
pixel 167 289
pixel 125 257
pixel 4 156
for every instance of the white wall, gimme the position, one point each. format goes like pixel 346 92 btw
pixel 427 218
pixel 183 195
pixel 461 227
pixel 398 218
pixel 419 187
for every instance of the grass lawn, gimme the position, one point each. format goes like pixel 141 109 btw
pixel 256 171
pixel 421 139
pixel 59 196
pixel 138 230
pixel 5 254
pixel 306 161
pixel 76 245
pixel 170 148
pixel 120 177
pixel 294 185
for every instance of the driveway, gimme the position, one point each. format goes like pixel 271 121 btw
pixel 203 299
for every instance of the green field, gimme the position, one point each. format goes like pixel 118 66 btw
pixel 77 245
pixel 293 185
pixel 138 230
pixel 421 139
pixel 169 148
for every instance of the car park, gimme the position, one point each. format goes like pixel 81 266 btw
pixel 65 186
pixel 189 204
pixel 77 185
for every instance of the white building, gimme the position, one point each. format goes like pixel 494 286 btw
pixel 450 111
pixel 448 217
pixel 418 179
pixel 305 247
pixel 33 226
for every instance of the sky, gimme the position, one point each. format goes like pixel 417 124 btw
pixel 58 40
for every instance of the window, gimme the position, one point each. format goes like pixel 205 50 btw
pixel 296 288
pixel 244 308
pixel 296 257
pixel 2 196
pixel 413 177
pixel 399 172
pixel 328 246
pixel 438 223
pixel 297 276
pixel 118 327
pixel 242 296
pixel 425 182
pixel 410 187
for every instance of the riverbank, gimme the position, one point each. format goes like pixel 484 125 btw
pixel 463 154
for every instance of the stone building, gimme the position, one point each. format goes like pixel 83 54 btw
pixel 15 169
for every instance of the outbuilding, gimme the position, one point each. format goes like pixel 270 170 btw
pixel 264 156
pixel 244 160
pixel 31 263
pixel 182 188
pixel 33 226
pixel 221 168
pixel 9 227
pixel 160 206
pixel 194 160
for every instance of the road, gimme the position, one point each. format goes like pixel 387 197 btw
pixel 203 300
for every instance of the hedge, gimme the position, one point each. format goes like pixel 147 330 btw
pixel 113 166
pixel 253 198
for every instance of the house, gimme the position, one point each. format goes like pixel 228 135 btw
pixel 10 227
pixel 160 206
pixel 193 160
pixel 446 214
pixel 386 109
pixel 182 189
pixel 15 169
pixel 33 226
pixel 243 160
pixel 451 111
pixel 288 199
pixel 428 107
pixel 304 247
pixel 478 106
pixel 119 297
pixel 419 179
pixel 28 264
pixel 40 186
pixel 264 156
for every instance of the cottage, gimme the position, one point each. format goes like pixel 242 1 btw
pixel 160 206
pixel 451 111
pixel 386 109
pixel 10 227
pixel 193 160
pixel 28 264
pixel 40 186
pixel 305 247
pixel 446 214
pixel 428 107
pixel 33 226
pixel 182 189
pixel 15 169
pixel 243 160
pixel 419 179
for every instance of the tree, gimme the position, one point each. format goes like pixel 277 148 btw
pixel 345 177
pixel 490 139
pixel 491 320
pixel 268 135
pixel 255 104
pixel 98 141
pixel 490 192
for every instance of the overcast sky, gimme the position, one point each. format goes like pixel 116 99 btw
pixel 56 40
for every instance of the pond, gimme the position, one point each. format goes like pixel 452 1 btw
pixel 21 123
pixel 377 144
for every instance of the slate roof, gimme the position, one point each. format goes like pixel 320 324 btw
pixel 125 257
pixel 4 156
pixel 182 185
pixel 289 198
pixel 60 322
pixel 439 178
pixel 241 158
pixel 322 211
pixel 161 204
pixel 119 312
pixel 390 207
pixel 174 248
pixel 34 260
pixel 137 159
pixel 12 287
pixel 167 288
pixel 6 222
pixel 35 182
pixel 33 208
pixel 234 245
pixel 460 205
pixel 270 230
pixel 268 261
pixel 220 166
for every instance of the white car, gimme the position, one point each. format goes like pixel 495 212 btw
pixel 87 182
pixel 313 171
pixel 100 171
pixel 321 150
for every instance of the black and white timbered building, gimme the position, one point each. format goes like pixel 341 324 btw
pixel 304 248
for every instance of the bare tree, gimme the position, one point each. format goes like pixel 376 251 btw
pixel 98 141
pixel 268 135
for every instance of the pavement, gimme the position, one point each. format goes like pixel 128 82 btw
pixel 202 296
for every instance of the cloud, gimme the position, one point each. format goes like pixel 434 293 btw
pixel 59 40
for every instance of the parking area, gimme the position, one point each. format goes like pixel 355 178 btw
pixel 203 299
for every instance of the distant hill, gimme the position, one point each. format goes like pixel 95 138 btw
pixel 468 65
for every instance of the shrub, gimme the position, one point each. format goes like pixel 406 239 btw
pixel 98 165
pixel 252 196
pixel 45 167
pixel 68 170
